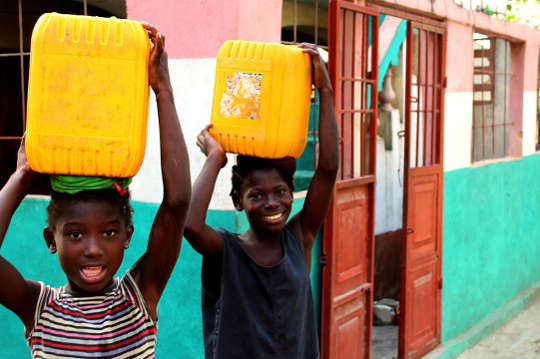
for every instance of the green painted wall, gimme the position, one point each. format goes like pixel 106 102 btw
pixel 491 239
pixel 180 329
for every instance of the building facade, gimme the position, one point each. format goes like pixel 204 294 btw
pixel 459 248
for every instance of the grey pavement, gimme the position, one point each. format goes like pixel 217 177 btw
pixel 518 338
pixel 385 342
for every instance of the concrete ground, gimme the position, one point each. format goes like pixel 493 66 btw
pixel 384 342
pixel 518 338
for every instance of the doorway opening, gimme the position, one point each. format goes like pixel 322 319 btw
pixel 409 190
pixel 389 186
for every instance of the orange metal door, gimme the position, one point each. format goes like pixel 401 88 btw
pixel 347 291
pixel 419 326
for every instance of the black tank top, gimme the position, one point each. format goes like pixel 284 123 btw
pixel 260 312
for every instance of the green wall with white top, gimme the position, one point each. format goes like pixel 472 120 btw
pixel 491 239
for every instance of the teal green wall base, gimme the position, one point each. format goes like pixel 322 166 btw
pixel 179 311
pixel 486 326
pixel 490 240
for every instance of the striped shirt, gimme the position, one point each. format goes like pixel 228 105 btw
pixel 113 325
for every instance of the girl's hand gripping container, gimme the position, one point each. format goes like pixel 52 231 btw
pixel 261 99
pixel 87 96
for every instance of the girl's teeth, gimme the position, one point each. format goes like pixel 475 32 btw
pixel 274 216
pixel 91 271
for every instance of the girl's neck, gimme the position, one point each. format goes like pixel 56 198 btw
pixel 77 292
pixel 262 237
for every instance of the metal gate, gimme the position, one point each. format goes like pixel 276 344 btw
pixel 347 293
pixel 421 284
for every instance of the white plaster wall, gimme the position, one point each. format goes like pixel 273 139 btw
pixel 389 184
pixel 529 123
pixel 457 130
pixel 193 85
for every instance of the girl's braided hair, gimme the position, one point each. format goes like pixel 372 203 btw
pixel 59 201
pixel 286 166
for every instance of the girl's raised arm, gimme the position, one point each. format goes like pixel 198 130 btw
pixel 202 237
pixel 310 218
pixel 154 268
pixel 17 294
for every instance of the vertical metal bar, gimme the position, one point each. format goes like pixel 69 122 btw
pixel 506 45
pixel 363 88
pixel 363 75
pixel 342 89
pixel 85 7
pixel 316 22
pixel 483 107
pixel 418 91
pixel 473 110
pixel 495 76
pixel 374 93
pixel 348 99
pixel 294 21
pixel 426 97
pixel 353 83
pixel 21 63
pixel 435 90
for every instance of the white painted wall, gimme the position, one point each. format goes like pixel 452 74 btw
pixel 457 130
pixel 389 184
pixel 193 85
pixel 529 123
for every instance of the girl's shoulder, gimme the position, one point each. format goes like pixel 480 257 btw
pixel 226 236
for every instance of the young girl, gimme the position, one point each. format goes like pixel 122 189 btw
pixel 95 314
pixel 256 299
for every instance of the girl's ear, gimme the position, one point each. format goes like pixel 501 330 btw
pixel 236 201
pixel 129 233
pixel 48 235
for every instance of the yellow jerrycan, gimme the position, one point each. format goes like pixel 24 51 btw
pixel 261 99
pixel 87 96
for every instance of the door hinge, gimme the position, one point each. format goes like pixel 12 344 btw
pixel 440 283
pixel 445 82
pixel 323 259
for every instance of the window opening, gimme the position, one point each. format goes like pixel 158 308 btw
pixel 491 97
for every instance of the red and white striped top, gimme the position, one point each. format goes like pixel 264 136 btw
pixel 113 325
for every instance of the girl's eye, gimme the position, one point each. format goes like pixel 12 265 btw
pixel 255 196
pixel 282 192
pixel 109 233
pixel 75 235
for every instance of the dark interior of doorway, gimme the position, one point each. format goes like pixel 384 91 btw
pixel 387 285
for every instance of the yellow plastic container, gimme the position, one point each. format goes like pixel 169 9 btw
pixel 87 96
pixel 261 99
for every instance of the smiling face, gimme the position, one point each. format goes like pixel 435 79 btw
pixel 266 198
pixel 90 238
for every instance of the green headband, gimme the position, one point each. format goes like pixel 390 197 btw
pixel 74 184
